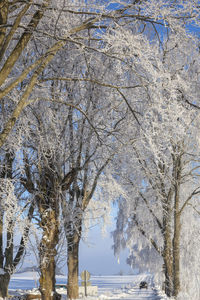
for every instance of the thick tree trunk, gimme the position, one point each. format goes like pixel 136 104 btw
pixel 177 227
pixel 1 240
pixel 73 266
pixel 167 251
pixel 176 253
pixel 168 268
pixel 4 282
pixel 50 226
pixel 168 264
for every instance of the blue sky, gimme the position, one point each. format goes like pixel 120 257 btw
pixel 96 255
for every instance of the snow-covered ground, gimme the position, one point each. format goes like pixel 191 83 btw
pixel 109 287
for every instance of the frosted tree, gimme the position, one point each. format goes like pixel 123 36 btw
pixel 71 139
pixel 164 69
pixel 94 153
pixel 164 157
pixel 151 55
pixel 16 214
pixel 46 182
pixel 48 26
pixel 31 35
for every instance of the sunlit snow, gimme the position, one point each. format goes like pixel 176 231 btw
pixel 109 287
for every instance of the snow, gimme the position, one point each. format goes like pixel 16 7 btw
pixel 109 287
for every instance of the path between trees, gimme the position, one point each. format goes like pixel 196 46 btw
pixel 135 294
pixel 127 288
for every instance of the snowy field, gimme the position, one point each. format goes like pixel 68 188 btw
pixel 109 287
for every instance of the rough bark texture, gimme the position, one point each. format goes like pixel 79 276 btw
pixel 3 19
pixel 22 43
pixel 167 251
pixel 73 266
pixel 176 253
pixel 1 240
pixel 177 226
pixel 168 266
pixel 50 226
pixel 4 282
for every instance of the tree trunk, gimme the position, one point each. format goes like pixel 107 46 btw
pixel 177 227
pixel 176 253
pixel 3 19
pixel 168 265
pixel 168 268
pixel 1 239
pixel 73 266
pixel 167 251
pixel 50 226
pixel 4 282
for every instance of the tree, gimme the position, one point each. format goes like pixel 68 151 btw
pixel 25 28
pixel 19 79
pixel 161 71
pixel 89 154
pixel 50 57
pixel 49 26
pixel 66 151
pixel 163 181
pixel 41 23
pixel 15 216
pixel 16 208
pixel 47 182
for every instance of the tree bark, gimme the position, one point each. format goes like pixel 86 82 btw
pixel 167 251
pixel 73 266
pixel 4 282
pixel 50 226
pixel 3 19
pixel 22 42
pixel 168 267
pixel 1 239
pixel 177 226
pixel 176 253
